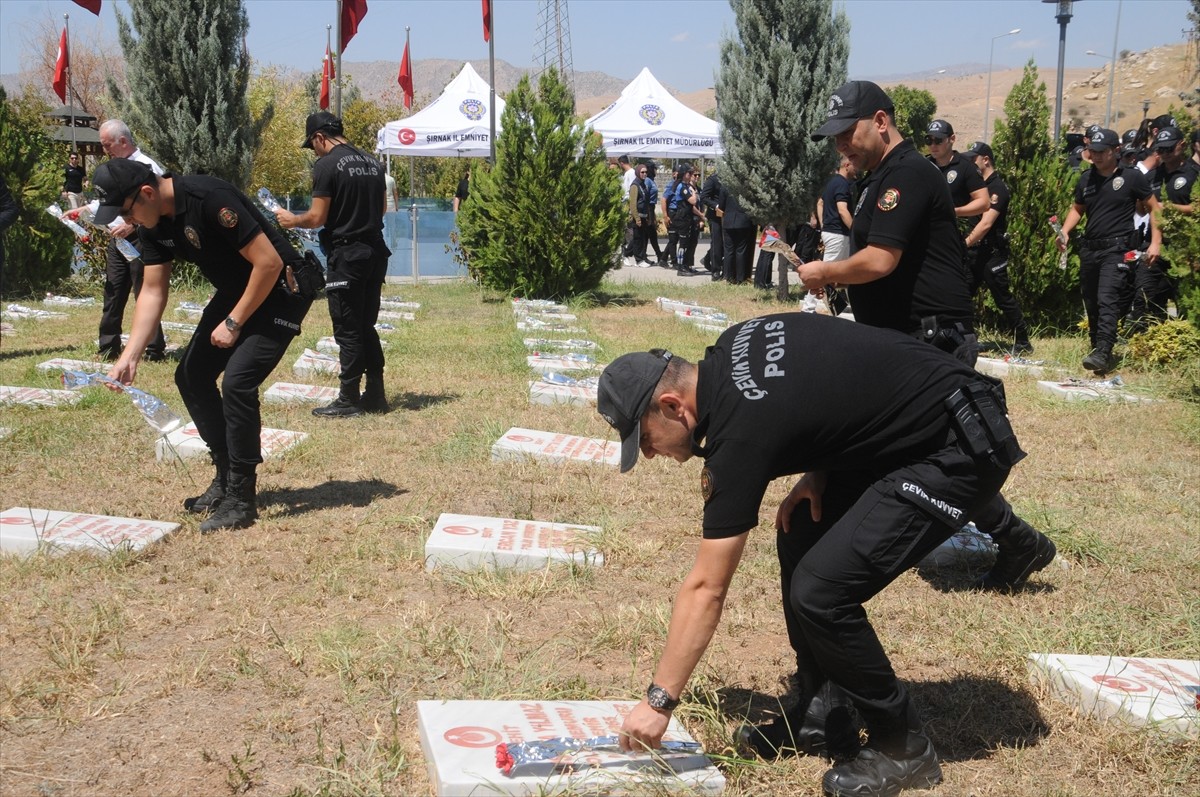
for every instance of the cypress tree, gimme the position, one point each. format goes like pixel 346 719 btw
pixel 773 90
pixel 545 220
pixel 188 71
pixel 915 109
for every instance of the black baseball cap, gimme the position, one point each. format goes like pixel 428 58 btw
pixel 1167 138
pixel 626 387
pixel 940 127
pixel 980 148
pixel 1090 129
pixel 115 181
pixel 686 168
pixel 1129 136
pixel 320 122
pixel 858 99
pixel 1103 138
pixel 1164 120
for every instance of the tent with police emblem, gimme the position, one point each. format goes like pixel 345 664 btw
pixel 455 124
pixel 647 120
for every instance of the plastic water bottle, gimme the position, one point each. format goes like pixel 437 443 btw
pixel 1062 257
pixel 268 200
pixel 88 213
pixel 56 212
pixel 152 408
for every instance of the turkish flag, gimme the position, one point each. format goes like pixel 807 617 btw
pixel 332 66
pixel 487 20
pixel 60 68
pixel 352 13
pixel 326 74
pixel 405 78
pixel 90 5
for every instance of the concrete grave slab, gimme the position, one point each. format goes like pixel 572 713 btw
pixel 702 318
pixel 548 324
pixel 1163 694
pixel 397 315
pixel 559 363
pixel 37 397
pixel 538 307
pixel 190 309
pixel 69 301
pixel 314 362
pixel 580 394
pixel 518 443
pixel 469 542
pixel 186 441
pixel 12 311
pixel 329 345
pixel 564 344
pixel 967 547
pixel 459 739
pixel 1014 366
pixel 179 326
pixel 24 530
pixel 292 393
pixel 1091 390
pixel 398 304
pixel 64 364
pixel 672 305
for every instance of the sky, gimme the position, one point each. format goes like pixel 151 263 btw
pixel 678 39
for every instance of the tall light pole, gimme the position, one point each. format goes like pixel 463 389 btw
pixel 1062 15
pixel 1111 87
pixel 988 101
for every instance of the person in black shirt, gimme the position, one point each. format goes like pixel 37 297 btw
pixel 74 178
pixel 988 240
pixel 1107 194
pixel 463 191
pixel 967 190
pixel 348 201
pixel 685 221
pixel 833 212
pixel 867 415
pixel 710 199
pixel 245 328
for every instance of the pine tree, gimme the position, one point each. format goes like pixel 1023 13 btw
pixel 188 72
pixel 545 220
pixel 773 90
pixel 1041 183
pixel 915 109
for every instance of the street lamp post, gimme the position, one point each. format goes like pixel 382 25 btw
pixel 1111 87
pixel 1062 14
pixel 988 100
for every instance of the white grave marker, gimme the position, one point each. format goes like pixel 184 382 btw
pixel 63 364
pixel 21 311
pixel 24 530
pixel 549 324
pixel 37 397
pixel 538 306
pixel 186 441
pixel 554 448
pixel 459 739
pixel 671 305
pixel 468 542
pixel 397 315
pixel 397 304
pixel 179 326
pixel 554 344
pixel 998 367
pixel 1157 693
pixel 582 394
pixel 292 393
pixel 1090 391
pixel 329 345
pixel 190 309
pixel 557 364
pixel 69 301
pixel 314 362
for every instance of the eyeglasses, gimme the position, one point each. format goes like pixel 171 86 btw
pixel 641 171
pixel 934 140
pixel 125 211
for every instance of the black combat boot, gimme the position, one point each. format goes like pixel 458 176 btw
pixel 346 405
pixel 1022 346
pixel 1100 361
pixel 374 398
pixel 239 508
pixel 207 501
pixel 824 725
pixel 885 771
pixel 1020 551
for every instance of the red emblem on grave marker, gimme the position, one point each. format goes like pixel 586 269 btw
pixel 462 531
pixel 1121 684
pixel 473 736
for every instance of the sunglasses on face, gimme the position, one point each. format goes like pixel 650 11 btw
pixel 934 140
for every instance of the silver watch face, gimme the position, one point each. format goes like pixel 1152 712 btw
pixel 658 697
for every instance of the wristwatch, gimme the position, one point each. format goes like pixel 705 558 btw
pixel 660 698
pixel 231 325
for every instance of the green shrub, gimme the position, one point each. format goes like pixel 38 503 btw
pixel 1172 342
pixel 546 220
pixel 1181 246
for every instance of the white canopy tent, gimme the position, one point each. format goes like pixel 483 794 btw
pixel 456 124
pixel 646 120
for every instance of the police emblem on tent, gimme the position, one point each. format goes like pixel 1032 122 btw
pixel 652 114
pixel 472 109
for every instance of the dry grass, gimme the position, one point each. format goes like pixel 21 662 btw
pixel 286 659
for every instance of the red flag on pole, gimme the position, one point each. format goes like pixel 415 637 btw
pixel 60 68
pixel 352 13
pixel 90 5
pixel 326 76
pixel 487 20
pixel 332 65
pixel 405 78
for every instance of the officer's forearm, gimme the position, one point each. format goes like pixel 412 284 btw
pixel 266 266
pixel 148 308
pixel 870 263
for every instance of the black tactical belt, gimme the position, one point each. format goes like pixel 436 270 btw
pixel 1104 243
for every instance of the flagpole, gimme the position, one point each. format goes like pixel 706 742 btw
pixel 412 186
pixel 492 78
pixel 337 82
pixel 70 90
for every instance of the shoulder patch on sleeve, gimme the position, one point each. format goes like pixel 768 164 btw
pixel 706 484
pixel 228 217
pixel 889 199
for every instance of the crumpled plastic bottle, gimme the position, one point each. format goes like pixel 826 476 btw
pixel 153 409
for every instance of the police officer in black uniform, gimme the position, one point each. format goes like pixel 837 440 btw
pixel 1153 285
pixel 710 198
pixel 685 222
pixel 244 331
pixel 1108 194
pixel 348 201
pixel 889 475
pixel 967 191
pixel 988 240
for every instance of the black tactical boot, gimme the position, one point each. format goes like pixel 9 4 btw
pixel 1100 361
pixel 1022 346
pixel 374 399
pixel 207 501
pixel 824 725
pixel 344 406
pixel 239 508
pixel 1020 552
pixel 879 773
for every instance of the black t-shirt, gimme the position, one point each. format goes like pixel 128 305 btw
pixel 1110 201
pixel 1179 184
pixel 998 197
pixel 464 189
pixel 357 190
pixel 963 178
pixel 73 179
pixel 836 190
pixel 213 221
pixel 798 392
pixel 905 204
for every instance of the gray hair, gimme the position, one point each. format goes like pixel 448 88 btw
pixel 119 130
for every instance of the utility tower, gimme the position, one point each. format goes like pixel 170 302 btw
pixel 553 45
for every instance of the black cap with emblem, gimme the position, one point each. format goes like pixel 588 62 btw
pixel 115 181
pixel 858 99
pixel 1102 139
pixel 624 393
pixel 1167 138
pixel 320 122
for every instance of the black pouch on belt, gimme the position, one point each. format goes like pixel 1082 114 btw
pixel 983 431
